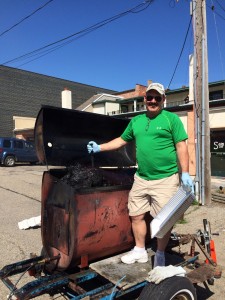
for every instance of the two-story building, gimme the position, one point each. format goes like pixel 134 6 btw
pixel 131 103
pixel 23 93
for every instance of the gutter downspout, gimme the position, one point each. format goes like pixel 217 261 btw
pixel 203 125
pixel 197 131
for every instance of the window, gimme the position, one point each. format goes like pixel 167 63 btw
pixel 6 144
pixel 18 144
pixel 28 145
pixel 124 109
pixel 216 95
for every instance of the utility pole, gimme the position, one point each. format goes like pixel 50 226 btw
pixel 201 92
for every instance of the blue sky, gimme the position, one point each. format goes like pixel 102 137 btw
pixel 130 50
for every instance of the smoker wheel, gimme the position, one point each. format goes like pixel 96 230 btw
pixel 179 288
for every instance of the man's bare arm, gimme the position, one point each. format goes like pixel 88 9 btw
pixel 113 144
pixel 183 157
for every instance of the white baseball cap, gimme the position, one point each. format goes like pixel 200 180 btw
pixel 156 86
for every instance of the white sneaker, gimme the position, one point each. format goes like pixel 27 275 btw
pixel 134 256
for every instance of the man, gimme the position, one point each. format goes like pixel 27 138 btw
pixel 160 139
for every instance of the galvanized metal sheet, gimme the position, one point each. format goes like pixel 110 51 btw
pixel 171 212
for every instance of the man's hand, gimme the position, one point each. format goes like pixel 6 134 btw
pixel 93 147
pixel 187 181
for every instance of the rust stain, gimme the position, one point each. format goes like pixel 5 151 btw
pixel 112 226
pixel 90 234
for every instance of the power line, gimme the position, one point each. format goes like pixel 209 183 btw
pixel 25 18
pixel 220 5
pixel 47 51
pixel 218 42
pixel 181 52
pixel 212 8
pixel 42 50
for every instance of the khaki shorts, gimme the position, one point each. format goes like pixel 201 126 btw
pixel 151 195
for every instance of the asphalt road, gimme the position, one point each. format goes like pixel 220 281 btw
pixel 20 198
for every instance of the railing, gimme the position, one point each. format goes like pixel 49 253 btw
pixel 179 103
pixel 170 104
pixel 120 112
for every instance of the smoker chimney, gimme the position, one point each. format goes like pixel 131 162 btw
pixel 66 98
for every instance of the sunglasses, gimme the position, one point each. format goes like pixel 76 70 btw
pixel 157 98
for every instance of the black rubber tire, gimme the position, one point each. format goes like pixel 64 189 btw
pixel 173 288
pixel 9 161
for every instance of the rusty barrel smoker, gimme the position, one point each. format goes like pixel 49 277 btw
pixel 86 223
pixel 89 223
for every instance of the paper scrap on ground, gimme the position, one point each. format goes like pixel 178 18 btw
pixel 32 222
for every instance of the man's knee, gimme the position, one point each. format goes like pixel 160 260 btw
pixel 138 218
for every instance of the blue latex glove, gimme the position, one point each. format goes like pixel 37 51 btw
pixel 187 181
pixel 93 147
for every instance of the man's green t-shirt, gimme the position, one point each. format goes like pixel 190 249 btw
pixel 155 143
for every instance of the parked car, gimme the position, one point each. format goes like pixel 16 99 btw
pixel 14 150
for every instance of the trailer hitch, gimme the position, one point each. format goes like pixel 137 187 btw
pixel 25 265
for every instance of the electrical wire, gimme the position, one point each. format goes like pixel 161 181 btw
pixel 172 3
pixel 220 5
pixel 47 51
pixel 25 18
pixel 84 31
pixel 138 8
pixel 189 25
pixel 218 42
pixel 212 8
pixel 189 51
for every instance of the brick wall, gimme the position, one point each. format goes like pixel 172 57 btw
pixel 137 92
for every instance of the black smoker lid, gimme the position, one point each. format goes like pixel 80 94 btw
pixel 61 137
